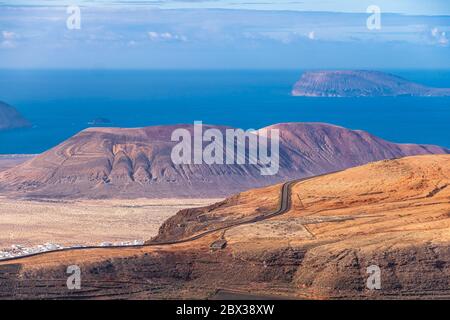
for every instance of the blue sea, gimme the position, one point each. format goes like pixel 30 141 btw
pixel 60 103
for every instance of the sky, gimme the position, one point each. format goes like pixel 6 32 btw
pixel 421 7
pixel 224 34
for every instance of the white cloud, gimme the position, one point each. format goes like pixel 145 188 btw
pixel 285 37
pixel 440 37
pixel 131 43
pixel 7 42
pixel 153 35
pixel 443 39
pixel 8 35
pixel 165 36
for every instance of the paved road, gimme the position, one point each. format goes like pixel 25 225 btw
pixel 283 207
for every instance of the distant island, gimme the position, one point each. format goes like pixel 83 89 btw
pixel 348 83
pixel 10 118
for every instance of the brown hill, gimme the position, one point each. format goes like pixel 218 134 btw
pixel 394 214
pixel 130 163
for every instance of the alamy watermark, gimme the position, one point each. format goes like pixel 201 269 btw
pixel 237 146
pixel 374 279
pixel 74 280
pixel 73 22
pixel 374 20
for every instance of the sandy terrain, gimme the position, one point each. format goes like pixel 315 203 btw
pixel 85 222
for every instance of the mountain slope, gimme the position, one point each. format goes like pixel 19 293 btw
pixel 347 83
pixel 130 163
pixel 394 214
pixel 10 118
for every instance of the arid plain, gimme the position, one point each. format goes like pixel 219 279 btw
pixel 31 222
pixel 85 222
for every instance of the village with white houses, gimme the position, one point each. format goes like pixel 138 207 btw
pixel 18 250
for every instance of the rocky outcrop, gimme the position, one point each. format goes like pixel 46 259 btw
pixel 347 83
pixel 412 272
pixel 290 272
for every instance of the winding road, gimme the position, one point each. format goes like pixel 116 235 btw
pixel 283 207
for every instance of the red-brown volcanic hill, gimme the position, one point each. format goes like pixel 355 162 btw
pixel 309 149
pixel 129 163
